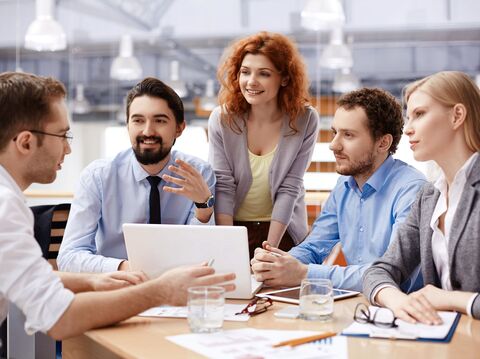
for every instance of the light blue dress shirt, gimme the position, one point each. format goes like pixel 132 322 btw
pixel 116 191
pixel 363 221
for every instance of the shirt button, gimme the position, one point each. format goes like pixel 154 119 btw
pixel 362 200
pixel 361 229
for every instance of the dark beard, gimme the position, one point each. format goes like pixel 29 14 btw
pixel 150 157
pixel 358 168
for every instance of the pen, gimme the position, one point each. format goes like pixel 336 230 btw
pixel 274 254
pixel 300 341
pixel 393 336
pixel 210 262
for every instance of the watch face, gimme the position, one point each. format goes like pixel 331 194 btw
pixel 210 201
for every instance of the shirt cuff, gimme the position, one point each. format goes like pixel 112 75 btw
pixel 194 221
pixel 378 289
pixel 317 271
pixel 111 264
pixel 470 304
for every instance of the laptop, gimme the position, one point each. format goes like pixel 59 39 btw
pixel 156 248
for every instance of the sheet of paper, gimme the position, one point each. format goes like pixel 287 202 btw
pixel 181 312
pixel 405 329
pixel 249 343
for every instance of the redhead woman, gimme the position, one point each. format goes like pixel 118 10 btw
pixel 442 231
pixel 262 138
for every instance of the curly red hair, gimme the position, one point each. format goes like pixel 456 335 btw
pixel 284 55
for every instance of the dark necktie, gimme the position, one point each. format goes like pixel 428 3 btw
pixel 154 199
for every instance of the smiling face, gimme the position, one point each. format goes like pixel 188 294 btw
pixel 48 158
pixel 152 129
pixel 259 80
pixel 429 127
pixel 352 144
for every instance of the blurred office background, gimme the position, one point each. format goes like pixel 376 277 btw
pixel 101 48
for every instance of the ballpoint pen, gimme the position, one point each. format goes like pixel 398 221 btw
pixel 210 262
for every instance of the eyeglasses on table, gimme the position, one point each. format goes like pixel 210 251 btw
pixel 383 317
pixel 256 306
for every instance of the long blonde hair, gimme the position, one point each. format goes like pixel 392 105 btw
pixel 450 88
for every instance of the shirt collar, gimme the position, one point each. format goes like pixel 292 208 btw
pixel 460 176
pixel 376 180
pixel 140 174
pixel 8 181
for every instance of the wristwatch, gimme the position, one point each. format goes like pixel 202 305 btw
pixel 207 204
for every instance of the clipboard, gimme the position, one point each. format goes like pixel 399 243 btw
pixel 397 334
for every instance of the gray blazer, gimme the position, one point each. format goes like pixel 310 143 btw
pixel 228 155
pixel 413 244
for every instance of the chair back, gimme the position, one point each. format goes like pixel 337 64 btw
pixel 50 223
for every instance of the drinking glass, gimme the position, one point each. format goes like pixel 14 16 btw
pixel 316 299
pixel 205 309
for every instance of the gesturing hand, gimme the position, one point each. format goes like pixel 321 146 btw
pixel 191 183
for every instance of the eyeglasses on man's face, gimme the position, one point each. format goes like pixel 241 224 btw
pixel 256 306
pixel 383 317
pixel 68 136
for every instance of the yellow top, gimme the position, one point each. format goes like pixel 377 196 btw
pixel 257 205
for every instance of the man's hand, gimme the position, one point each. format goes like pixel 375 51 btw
pixel 191 183
pixel 175 282
pixel 115 280
pixel 417 306
pixel 275 267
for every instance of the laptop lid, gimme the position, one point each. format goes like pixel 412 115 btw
pixel 156 248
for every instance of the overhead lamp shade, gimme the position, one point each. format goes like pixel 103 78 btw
pixel 44 33
pixel 126 67
pixel 322 14
pixel 175 83
pixel 209 101
pixel 80 104
pixel 345 81
pixel 336 55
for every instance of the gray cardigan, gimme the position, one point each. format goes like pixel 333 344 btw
pixel 412 244
pixel 228 154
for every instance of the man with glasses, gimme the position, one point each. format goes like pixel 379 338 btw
pixel 148 183
pixel 33 143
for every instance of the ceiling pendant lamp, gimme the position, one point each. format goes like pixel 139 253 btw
pixel 345 81
pixel 322 14
pixel 80 105
pixel 209 101
pixel 336 55
pixel 175 83
pixel 125 66
pixel 44 33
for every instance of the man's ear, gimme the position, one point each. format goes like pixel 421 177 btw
pixel 384 143
pixel 459 113
pixel 24 142
pixel 180 128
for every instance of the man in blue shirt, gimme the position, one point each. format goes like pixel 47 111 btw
pixel 116 191
pixel 371 198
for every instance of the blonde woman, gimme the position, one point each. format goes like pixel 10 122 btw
pixel 261 140
pixel 442 232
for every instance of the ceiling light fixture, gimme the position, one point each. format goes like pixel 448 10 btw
pixel 209 101
pixel 345 81
pixel 80 104
pixel 178 86
pixel 44 33
pixel 125 66
pixel 322 14
pixel 336 55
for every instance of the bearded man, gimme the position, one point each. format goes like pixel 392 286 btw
pixel 371 198
pixel 148 183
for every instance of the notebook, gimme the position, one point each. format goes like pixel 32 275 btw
pixel 156 248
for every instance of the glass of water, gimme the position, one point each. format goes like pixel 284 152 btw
pixel 205 309
pixel 316 299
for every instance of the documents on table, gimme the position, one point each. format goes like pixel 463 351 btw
pixel 181 312
pixel 423 332
pixel 258 343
